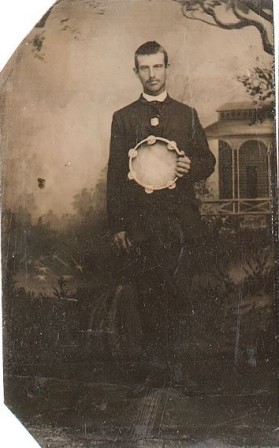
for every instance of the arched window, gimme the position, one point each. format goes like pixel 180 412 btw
pixel 225 171
pixel 253 170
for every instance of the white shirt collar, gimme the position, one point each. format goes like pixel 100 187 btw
pixel 161 97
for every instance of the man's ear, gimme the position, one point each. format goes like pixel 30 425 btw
pixel 136 71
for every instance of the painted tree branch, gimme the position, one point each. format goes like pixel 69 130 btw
pixel 262 12
pixel 197 18
pixel 260 27
pixel 227 26
pixel 244 13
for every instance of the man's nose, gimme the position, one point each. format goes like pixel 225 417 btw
pixel 151 72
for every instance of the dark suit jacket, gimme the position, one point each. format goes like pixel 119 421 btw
pixel 129 207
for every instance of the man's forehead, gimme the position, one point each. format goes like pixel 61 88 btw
pixel 146 59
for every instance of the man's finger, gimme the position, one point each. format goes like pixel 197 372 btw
pixel 183 164
pixel 182 169
pixel 184 158
pixel 128 244
pixel 124 244
pixel 117 243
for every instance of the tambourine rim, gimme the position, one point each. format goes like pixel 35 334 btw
pixel 135 178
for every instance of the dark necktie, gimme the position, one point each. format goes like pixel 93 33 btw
pixel 157 106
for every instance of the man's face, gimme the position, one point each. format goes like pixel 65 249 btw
pixel 152 73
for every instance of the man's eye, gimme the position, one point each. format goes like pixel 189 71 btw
pixel 144 68
pixel 158 66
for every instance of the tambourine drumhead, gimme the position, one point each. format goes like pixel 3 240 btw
pixel 153 163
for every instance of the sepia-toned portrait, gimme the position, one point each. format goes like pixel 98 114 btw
pixel 139 225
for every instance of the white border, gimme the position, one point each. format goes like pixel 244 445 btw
pixel 17 18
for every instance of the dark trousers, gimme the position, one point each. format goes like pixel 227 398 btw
pixel 162 267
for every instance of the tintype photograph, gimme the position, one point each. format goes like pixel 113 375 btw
pixel 139 225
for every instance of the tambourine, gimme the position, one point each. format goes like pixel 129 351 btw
pixel 152 163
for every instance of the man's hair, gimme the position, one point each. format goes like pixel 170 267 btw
pixel 150 47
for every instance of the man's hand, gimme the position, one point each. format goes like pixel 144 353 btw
pixel 183 166
pixel 122 241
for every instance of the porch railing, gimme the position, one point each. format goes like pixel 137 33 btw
pixel 243 206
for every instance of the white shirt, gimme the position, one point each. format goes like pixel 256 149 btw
pixel 161 97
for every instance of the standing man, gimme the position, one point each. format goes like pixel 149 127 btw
pixel 163 228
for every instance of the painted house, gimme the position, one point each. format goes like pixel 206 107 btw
pixel 242 140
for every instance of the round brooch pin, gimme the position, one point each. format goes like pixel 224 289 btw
pixel 154 121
